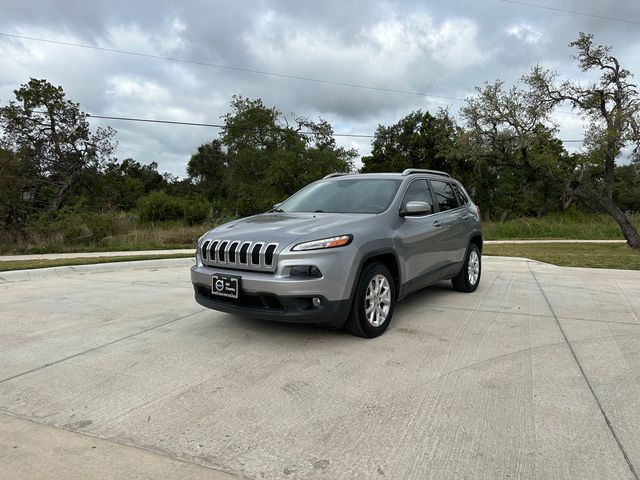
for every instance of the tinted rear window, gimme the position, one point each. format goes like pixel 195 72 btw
pixel 462 198
pixel 444 195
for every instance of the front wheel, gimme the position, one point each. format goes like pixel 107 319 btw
pixel 469 277
pixel 373 304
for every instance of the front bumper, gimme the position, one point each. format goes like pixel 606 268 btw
pixel 269 297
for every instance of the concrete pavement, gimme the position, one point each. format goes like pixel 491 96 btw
pixel 34 451
pixel 535 375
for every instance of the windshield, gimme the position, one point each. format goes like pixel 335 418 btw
pixel 357 195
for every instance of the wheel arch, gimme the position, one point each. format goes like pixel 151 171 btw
pixel 389 259
pixel 477 241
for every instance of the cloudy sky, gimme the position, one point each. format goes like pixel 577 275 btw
pixel 436 48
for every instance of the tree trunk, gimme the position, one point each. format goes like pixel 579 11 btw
pixel 629 230
pixel 567 200
pixel 57 202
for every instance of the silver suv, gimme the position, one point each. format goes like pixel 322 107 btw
pixel 343 250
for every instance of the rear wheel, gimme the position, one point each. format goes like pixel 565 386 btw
pixel 374 301
pixel 469 277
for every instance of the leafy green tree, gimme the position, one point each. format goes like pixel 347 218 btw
pixel 115 185
pixel 268 158
pixel 486 165
pixel 626 192
pixel 207 170
pixel 52 138
pixel 611 106
pixel 418 140
pixel 14 195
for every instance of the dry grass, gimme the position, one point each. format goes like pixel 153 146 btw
pixel 125 234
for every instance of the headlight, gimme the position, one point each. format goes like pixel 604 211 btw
pixel 331 242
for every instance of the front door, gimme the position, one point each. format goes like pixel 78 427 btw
pixel 450 218
pixel 418 241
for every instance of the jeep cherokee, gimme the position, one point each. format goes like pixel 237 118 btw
pixel 343 250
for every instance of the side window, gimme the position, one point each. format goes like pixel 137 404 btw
pixel 418 190
pixel 462 198
pixel 444 195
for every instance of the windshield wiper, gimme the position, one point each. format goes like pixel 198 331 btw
pixel 319 211
pixel 277 210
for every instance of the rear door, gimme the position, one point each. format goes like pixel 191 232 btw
pixel 449 219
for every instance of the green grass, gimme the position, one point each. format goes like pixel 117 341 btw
pixel 62 262
pixel 573 226
pixel 600 255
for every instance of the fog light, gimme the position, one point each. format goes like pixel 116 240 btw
pixel 316 301
pixel 305 271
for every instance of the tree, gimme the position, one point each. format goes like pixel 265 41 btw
pixel 207 169
pixel 269 158
pixel 627 188
pixel 511 140
pixel 14 205
pixel 116 185
pixel 52 138
pixel 418 140
pixel 611 107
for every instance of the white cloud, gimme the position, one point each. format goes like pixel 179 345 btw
pixel 526 33
pixel 134 88
pixel 442 48
pixel 384 51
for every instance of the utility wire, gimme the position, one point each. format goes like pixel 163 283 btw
pixel 230 67
pixel 574 12
pixel 215 125
pixel 242 69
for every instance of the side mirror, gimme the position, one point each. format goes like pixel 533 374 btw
pixel 416 207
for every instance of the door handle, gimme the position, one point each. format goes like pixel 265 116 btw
pixel 437 224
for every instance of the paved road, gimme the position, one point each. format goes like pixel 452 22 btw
pixel 113 371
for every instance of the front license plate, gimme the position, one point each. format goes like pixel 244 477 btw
pixel 225 285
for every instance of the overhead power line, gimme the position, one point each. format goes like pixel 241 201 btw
pixel 216 125
pixel 212 125
pixel 574 12
pixel 235 68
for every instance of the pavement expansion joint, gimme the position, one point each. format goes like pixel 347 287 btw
pixel 126 337
pixel 586 379
pixel 161 453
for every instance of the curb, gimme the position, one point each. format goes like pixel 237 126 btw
pixel 46 273
pixel 126 253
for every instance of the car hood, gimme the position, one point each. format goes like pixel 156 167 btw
pixel 287 227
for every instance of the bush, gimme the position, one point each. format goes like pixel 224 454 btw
pixel 196 211
pixel 72 226
pixel 160 207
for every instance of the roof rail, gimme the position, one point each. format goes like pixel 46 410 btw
pixel 409 171
pixel 335 174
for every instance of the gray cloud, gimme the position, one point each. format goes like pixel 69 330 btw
pixel 438 47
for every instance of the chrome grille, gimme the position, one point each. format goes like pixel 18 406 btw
pixel 240 255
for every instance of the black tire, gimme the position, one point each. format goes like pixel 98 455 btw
pixel 357 323
pixel 463 282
